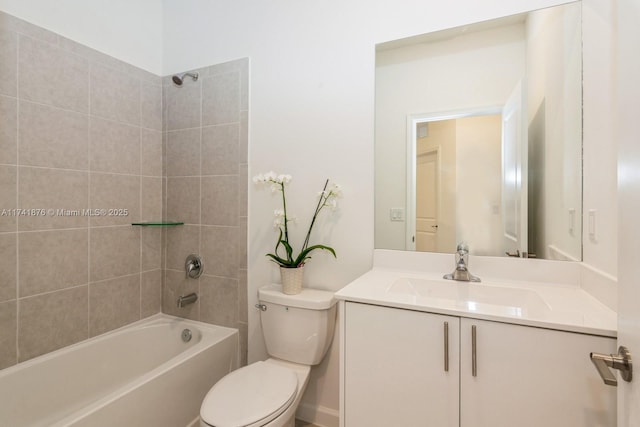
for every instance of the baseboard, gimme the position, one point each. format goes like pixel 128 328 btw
pixel 318 415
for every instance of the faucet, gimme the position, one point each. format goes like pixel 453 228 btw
pixel 194 266
pixel 461 273
pixel 184 300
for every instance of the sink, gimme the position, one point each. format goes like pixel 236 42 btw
pixel 473 297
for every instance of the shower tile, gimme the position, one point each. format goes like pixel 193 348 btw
pixel 243 190
pixel 220 149
pixel 242 296
pixel 183 153
pixel 50 75
pixel 11 23
pixel 244 84
pixel 8 198
pixel 243 146
pixel 223 68
pixel 117 195
pixel 8 63
pixel 151 248
pixel 242 242
pixel 8 259
pixel 151 106
pixel 151 152
pixel 182 241
pixel 151 293
pixel 183 199
pixel 151 199
pixel 243 329
pixel 52 189
pixel 176 284
pixel 52 137
pixel 114 147
pixel 220 251
pixel 52 321
pixel 183 105
pixel 219 301
pixel 115 95
pixel 8 129
pixel 61 256
pixel 220 200
pixel 8 329
pixel 113 303
pixel 221 99
pixel 113 252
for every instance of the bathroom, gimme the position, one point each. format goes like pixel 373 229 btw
pixel 303 58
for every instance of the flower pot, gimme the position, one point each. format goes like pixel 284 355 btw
pixel 291 279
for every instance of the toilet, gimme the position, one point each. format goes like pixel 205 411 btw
pixel 297 330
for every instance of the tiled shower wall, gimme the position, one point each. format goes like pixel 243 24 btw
pixel 81 130
pixel 206 188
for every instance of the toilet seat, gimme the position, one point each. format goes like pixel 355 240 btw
pixel 250 396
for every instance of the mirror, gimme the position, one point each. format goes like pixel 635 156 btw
pixel 478 138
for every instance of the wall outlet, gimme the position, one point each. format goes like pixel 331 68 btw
pixel 397 214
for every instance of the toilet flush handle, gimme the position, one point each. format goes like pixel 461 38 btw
pixel 261 307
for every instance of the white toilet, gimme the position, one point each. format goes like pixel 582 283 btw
pixel 297 330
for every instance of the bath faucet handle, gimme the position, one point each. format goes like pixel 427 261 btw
pixel 194 266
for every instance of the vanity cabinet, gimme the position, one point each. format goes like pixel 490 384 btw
pixel 523 376
pixel 394 368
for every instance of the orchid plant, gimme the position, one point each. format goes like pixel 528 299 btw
pixel 326 198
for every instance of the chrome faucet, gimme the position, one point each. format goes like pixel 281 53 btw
pixel 184 300
pixel 461 273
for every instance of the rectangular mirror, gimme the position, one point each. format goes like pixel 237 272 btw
pixel 478 138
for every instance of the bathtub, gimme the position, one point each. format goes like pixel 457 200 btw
pixel 143 374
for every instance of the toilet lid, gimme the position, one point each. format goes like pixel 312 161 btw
pixel 258 392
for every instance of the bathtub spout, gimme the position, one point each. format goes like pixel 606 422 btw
pixel 184 300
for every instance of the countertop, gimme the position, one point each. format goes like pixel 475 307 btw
pixel 564 307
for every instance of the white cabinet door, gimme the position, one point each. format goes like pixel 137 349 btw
pixel 395 368
pixel 531 377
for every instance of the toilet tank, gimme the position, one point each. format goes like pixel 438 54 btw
pixel 297 328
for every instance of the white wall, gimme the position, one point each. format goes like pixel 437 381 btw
pixel 600 149
pixel 554 95
pixel 125 29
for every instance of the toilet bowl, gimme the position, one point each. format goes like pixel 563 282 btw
pixel 298 330
pixel 263 394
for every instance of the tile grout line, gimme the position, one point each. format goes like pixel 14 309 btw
pixel 89 222
pixel 17 200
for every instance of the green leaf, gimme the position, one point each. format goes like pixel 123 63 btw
pixel 304 255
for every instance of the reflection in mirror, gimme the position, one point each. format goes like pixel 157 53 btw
pixel 478 138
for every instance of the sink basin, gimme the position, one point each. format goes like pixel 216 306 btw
pixel 474 297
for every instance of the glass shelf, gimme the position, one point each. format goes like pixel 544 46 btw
pixel 158 223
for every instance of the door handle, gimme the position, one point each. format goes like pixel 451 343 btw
pixel 620 361
pixel 446 346
pixel 474 349
pixel 516 254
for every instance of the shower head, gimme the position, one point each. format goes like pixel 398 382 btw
pixel 178 79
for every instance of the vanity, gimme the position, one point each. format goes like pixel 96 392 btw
pixel 513 350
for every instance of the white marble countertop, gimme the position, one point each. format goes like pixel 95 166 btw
pixel 563 306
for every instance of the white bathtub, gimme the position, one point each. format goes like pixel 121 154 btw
pixel 141 375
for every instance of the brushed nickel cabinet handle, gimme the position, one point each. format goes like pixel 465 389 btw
pixel 446 346
pixel 474 358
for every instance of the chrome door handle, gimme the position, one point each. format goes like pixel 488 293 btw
pixel 446 346
pixel 474 357
pixel 620 361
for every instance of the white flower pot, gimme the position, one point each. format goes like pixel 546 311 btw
pixel 291 280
